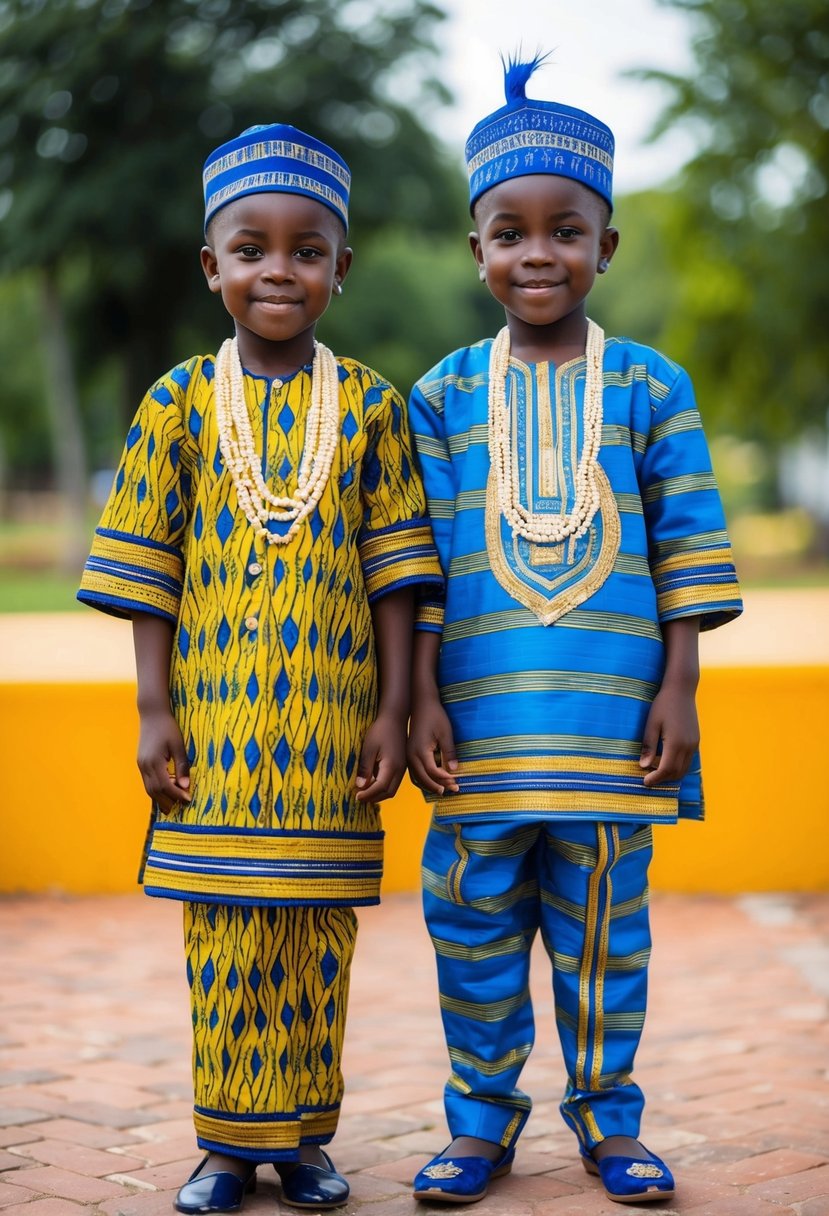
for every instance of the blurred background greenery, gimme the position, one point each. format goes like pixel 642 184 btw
pixel 108 108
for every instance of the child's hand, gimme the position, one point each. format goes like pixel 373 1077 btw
pixel 673 720
pixel 431 749
pixel 160 749
pixel 382 760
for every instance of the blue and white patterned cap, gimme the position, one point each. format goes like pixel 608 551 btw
pixel 526 137
pixel 275 159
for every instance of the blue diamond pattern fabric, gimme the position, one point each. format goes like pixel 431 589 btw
pixel 312 755
pixel 328 966
pixel 290 635
pixel 223 634
pixel 224 523
pixel 282 687
pixel 253 754
pixel 208 975
pixel 282 755
pixel 286 419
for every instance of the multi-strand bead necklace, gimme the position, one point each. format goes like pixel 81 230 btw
pixel 244 463
pixel 545 528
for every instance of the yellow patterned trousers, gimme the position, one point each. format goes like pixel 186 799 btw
pixel 269 992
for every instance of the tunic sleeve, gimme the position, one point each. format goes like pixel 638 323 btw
pixel 136 562
pixel 690 553
pixel 395 541
pixel 426 415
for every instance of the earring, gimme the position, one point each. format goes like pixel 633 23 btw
pixel 482 274
pixel 604 265
pixel 338 289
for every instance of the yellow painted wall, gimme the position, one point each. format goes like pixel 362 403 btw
pixel 73 811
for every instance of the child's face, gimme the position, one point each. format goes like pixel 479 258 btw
pixel 275 259
pixel 540 242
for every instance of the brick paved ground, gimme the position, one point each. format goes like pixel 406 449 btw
pixel 94 1064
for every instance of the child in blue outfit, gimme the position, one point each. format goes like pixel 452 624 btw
pixel 584 547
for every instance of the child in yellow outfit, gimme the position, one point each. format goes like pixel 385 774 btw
pixel 265 534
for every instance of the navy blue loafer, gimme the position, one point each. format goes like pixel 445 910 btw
pixel 631 1180
pixel 313 1186
pixel 220 1192
pixel 448 1179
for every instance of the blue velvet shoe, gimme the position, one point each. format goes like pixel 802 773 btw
pixel 313 1186
pixel 448 1179
pixel 631 1180
pixel 220 1192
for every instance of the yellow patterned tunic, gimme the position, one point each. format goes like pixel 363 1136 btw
pixel 273 677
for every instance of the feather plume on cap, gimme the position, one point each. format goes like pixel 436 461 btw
pixel 516 74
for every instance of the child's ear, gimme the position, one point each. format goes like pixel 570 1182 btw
pixel 478 255
pixel 210 266
pixel 608 245
pixel 342 267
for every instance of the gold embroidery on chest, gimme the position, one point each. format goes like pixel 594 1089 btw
pixel 549 579
pixel 548 482
pixel 548 555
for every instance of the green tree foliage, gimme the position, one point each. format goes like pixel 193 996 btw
pixel 644 258
pixel 744 236
pixel 24 436
pixel 109 107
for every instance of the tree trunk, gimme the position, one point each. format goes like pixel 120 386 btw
pixel 65 426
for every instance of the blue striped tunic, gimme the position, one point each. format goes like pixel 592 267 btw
pixel 552 653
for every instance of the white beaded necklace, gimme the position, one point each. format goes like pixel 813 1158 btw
pixel 322 434
pixel 545 528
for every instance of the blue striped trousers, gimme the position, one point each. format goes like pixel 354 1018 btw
pixel 487 890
